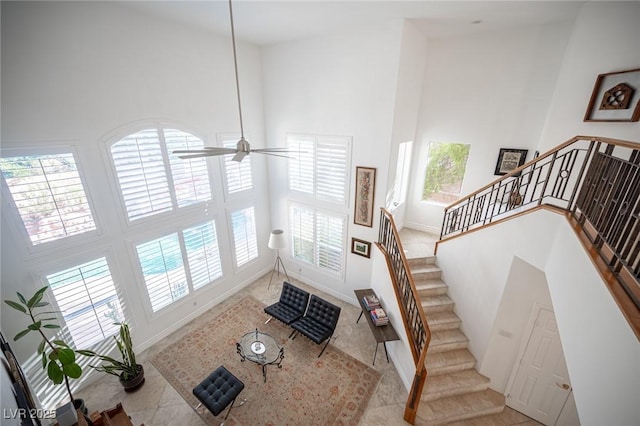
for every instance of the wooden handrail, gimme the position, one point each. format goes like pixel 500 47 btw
pixel 414 319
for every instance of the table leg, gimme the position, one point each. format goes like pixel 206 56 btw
pixel 360 316
pixel 385 350
pixel 375 353
pixel 264 372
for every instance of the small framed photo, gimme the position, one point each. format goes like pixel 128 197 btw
pixel 361 247
pixel 365 190
pixel 615 97
pixel 510 159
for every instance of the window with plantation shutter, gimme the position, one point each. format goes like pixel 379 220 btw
pixel 163 270
pixel 243 225
pixel 203 254
pixel 87 298
pixel 238 174
pixel 301 164
pixel 139 164
pixel 146 170
pixel 49 195
pixel 190 177
pixel 317 238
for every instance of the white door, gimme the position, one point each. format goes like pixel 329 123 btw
pixel 541 385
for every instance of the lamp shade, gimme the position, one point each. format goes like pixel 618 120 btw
pixel 277 240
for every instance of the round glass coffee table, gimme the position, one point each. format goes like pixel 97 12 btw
pixel 261 349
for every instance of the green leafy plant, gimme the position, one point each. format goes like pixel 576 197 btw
pixel 447 163
pixel 58 359
pixel 126 368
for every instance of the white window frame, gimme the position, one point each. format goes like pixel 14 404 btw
pixel 230 141
pixel 403 171
pixel 239 266
pixel 15 219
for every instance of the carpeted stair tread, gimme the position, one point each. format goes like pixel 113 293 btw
pixel 455 383
pixel 445 320
pixel 438 303
pixel 418 262
pixel 461 407
pixel 446 340
pixel 430 287
pixel 449 361
pixel 426 271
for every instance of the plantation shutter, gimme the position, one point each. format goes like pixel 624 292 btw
pixel 329 244
pixel 244 235
pixel 332 169
pixel 301 163
pixel 49 195
pixel 163 270
pixel 141 174
pixel 87 298
pixel 302 225
pixel 203 254
pixel 238 174
pixel 190 177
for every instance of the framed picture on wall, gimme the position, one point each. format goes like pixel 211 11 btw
pixel 365 189
pixel 361 247
pixel 615 97
pixel 510 159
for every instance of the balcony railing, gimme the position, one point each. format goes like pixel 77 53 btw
pixel 596 183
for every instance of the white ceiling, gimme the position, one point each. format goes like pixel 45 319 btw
pixel 264 22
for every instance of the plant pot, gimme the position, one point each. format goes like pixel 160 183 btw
pixel 79 405
pixel 66 415
pixel 135 382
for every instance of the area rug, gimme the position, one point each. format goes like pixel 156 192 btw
pixel 331 390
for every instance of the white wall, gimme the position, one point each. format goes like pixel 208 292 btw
pixel 593 49
pixel 78 72
pixel 489 90
pixel 601 351
pixel 336 85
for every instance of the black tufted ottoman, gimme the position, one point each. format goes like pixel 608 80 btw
pixel 218 391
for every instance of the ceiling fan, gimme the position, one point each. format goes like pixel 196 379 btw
pixel 243 148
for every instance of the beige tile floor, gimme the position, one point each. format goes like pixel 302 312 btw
pixel 158 404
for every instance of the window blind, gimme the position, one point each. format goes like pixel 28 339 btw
pixel 190 177
pixel 332 169
pixel 301 163
pixel 49 195
pixel 244 235
pixel 141 174
pixel 203 254
pixel 87 297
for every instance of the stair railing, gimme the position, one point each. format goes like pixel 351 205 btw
pixel 594 181
pixel 413 316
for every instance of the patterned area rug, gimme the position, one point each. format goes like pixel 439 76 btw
pixel 331 390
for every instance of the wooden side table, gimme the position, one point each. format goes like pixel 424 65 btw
pixel 382 333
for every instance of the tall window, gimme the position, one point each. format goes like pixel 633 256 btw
pixel 170 272
pixel 243 224
pixel 87 298
pixel 446 166
pixel 238 174
pixel 318 177
pixel 49 195
pixel 146 169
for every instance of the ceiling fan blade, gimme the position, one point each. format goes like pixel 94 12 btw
pixel 272 150
pixel 273 154
pixel 239 156
pixel 199 155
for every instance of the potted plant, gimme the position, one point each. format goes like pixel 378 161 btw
pixel 58 359
pixel 129 372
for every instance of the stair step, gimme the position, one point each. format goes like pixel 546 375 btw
pixel 438 303
pixel 452 384
pixel 445 320
pixel 429 287
pixel 447 340
pixel 449 361
pixel 426 272
pixel 419 262
pixel 461 407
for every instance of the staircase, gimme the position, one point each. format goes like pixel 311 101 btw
pixel 454 390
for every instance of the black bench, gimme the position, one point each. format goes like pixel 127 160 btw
pixel 291 306
pixel 318 323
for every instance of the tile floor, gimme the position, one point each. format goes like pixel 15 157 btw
pixel 158 404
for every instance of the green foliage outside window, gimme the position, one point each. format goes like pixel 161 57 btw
pixel 445 169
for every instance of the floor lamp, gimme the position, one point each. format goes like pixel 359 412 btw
pixel 277 241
